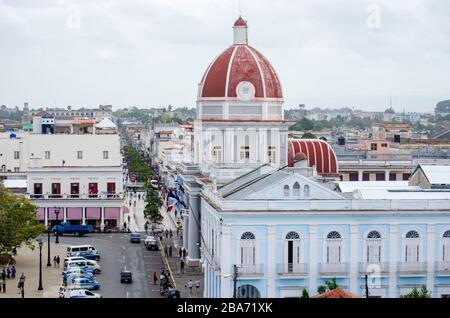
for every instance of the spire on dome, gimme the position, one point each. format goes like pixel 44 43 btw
pixel 240 31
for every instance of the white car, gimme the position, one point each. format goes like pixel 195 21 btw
pixel 74 258
pixel 92 265
pixel 80 293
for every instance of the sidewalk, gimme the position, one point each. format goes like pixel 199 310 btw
pixel 27 262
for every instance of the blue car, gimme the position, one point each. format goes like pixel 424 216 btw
pixel 70 279
pixel 135 238
pixel 86 283
pixel 88 255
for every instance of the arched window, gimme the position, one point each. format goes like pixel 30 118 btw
pixel 306 191
pixel 333 247
pixel 296 190
pixel 412 247
pixel 373 247
pixel 248 252
pixel 291 253
pixel 446 234
pixel 412 235
pixel 333 235
pixel 374 235
pixel 286 190
pixel 446 247
pixel 248 236
pixel 248 291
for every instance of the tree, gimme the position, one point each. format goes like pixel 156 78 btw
pixel 305 294
pixel 423 293
pixel 332 285
pixel 18 222
pixel 308 135
pixel 154 203
pixel 321 289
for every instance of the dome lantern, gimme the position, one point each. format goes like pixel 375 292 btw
pixel 240 32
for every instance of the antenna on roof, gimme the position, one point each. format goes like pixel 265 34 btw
pixel 239 1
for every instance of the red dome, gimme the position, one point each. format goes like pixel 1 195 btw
pixel 319 153
pixel 240 63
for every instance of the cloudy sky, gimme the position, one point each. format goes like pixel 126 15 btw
pixel 145 53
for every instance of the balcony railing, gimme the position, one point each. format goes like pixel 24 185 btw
pixel 289 269
pixel 250 269
pixel 334 269
pixel 373 268
pixel 411 268
pixel 442 268
pixel 103 196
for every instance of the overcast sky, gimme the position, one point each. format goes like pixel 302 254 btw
pixel 328 53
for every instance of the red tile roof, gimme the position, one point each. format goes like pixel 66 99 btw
pixel 337 293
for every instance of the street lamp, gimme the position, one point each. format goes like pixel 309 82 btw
pixel 40 265
pixel 57 224
pixel 49 263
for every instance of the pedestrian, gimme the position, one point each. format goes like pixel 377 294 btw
pixel 4 286
pixel 58 260
pixel 182 266
pixel 181 236
pixel 190 286
pixel 166 232
pixel 125 226
pixel 13 272
pixel 180 252
pixel 197 286
pixel 146 227
pixel 166 251
pixel 170 233
pixel 176 212
pixel 8 272
pixel 155 278
pixel 139 196
pixel 54 261
pixel 178 232
pixel 170 251
pixel 184 253
pixel 130 202
pixel 134 203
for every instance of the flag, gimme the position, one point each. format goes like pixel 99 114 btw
pixel 172 195
pixel 169 208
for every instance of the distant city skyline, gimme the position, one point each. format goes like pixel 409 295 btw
pixel 146 53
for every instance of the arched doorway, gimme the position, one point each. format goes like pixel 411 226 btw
pixel 248 291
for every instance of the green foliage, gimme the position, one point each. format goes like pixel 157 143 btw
pixel 423 293
pixel 136 165
pixel 154 203
pixel 332 285
pixel 18 222
pixel 308 135
pixel 321 289
pixel 305 294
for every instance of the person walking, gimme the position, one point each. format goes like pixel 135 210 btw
pixel 184 253
pixel 4 285
pixel 13 272
pixel 58 260
pixel 170 233
pixel 182 266
pixel 180 252
pixel 166 250
pixel 197 286
pixel 181 236
pixel 155 278
pixel 54 261
pixel 146 227
pixel 166 232
pixel 190 286
pixel 170 251
pixel 178 232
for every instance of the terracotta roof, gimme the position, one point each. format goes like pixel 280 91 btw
pixel 337 293
pixel 165 132
pixel 240 22
pixel 319 153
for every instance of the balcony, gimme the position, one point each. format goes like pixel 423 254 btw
pixel 442 268
pixel 250 269
pixel 412 269
pixel 292 270
pixel 333 269
pixel 103 196
pixel 373 268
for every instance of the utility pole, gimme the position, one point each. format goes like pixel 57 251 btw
pixel 367 287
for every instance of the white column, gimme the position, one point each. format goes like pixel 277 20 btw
pixel 360 175
pixel 83 221
pixel 386 175
pixel 354 239
pixel 271 258
pixel 313 260
pixel 226 268
pixel 393 248
pixel 102 218
pixel 226 110
pixel 65 211
pixel 46 216
pixel 431 241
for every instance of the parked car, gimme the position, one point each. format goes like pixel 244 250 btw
pixel 85 283
pixel 81 248
pixel 78 270
pixel 126 277
pixel 93 265
pixel 79 293
pixel 88 255
pixel 151 244
pixel 135 237
pixel 74 258
pixel 67 228
pixel 70 279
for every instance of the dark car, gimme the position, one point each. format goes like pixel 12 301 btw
pixel 173 293
pixel 135 238
pixel 126 277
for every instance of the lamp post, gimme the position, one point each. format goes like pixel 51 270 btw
pixel 40 265
pixel 49 263
pixel 57 224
